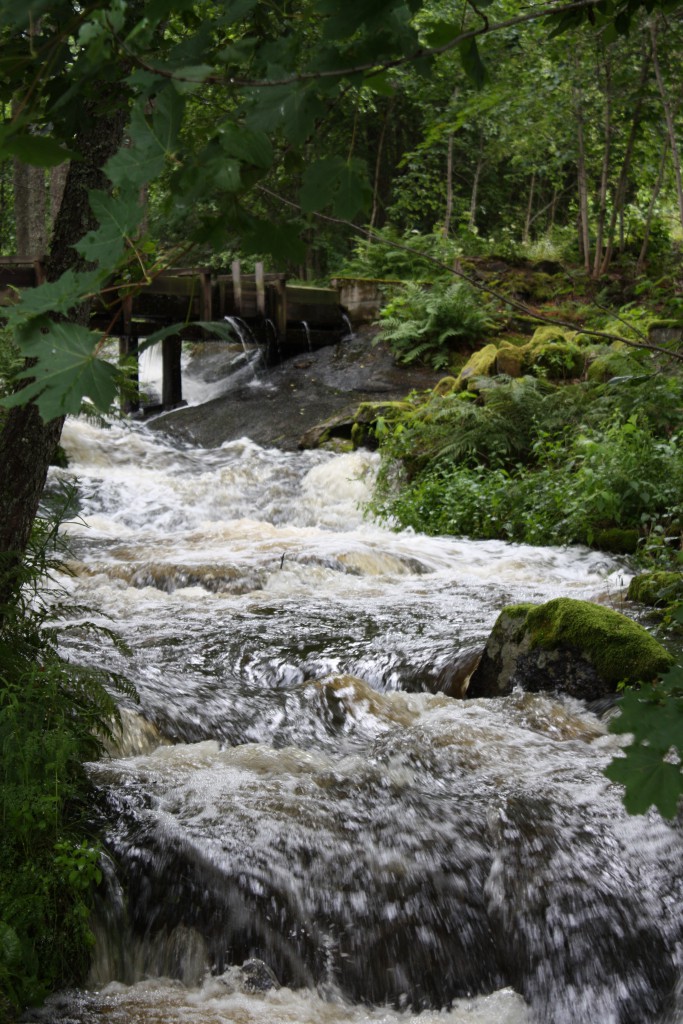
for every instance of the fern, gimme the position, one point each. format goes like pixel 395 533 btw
pixel 442 318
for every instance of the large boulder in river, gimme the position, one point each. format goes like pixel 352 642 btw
pixel 575 647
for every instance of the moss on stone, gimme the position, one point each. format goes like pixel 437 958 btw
pixel 657 588
pixel 550 334
pixel 559 360
pixel 367 412
pixel 510 359
pixel 619 648
pixel 446 386
pixel 612 361
pixel 617 540
pixel 480 364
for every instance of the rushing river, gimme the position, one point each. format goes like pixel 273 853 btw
pixel 289 791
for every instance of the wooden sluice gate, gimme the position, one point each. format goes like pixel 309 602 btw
pixel 283 319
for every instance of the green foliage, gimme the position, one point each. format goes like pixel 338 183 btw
pixel 74 371
pixel 10 361
pixel 389 255
pixel 528 462
pixel 427 324
pixel 52 715
pixel 650 766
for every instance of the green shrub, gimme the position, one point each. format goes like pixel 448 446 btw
pixel 428 324
pixel 390 255
pixel 491 469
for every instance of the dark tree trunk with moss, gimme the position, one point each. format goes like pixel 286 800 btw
pixel 27 444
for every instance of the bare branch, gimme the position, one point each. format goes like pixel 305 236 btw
pixel 421 52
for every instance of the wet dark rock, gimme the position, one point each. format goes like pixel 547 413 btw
pixel 455 675
pixel 282 404
pixel 569 646
pixel 257 976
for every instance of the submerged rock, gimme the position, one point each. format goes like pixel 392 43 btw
pixel 257 976
pixel 574 647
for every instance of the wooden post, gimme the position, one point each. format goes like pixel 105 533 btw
pixel 128 351
pixel 172 381
pixel 237 286
pixel 260 289
pixel 206 308
pixel 281 306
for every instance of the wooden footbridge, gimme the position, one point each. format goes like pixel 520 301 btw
pixel 282 318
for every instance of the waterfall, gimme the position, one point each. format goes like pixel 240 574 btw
pixel 307 335
pixel 290 793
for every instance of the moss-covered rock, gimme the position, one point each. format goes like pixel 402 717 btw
pixel 556 360
pixel 354 425
pixel 446 386
pixel 510 359
pixel 570 646
pixel 609 361
pixel 617 540
pixel 550 334
pixel 480 364
pixel 656 589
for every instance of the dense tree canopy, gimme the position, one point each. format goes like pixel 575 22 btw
pixel 370 111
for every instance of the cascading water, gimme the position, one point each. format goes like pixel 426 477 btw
pixel 288 791
pixel 250 347
pixel 307 335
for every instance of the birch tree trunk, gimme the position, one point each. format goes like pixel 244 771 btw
pixel 529 209
pixel 604 175
pixel 669 117
pixel 582 184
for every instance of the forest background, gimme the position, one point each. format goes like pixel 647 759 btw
pixel 512 166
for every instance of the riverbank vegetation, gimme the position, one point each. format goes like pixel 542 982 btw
pixel 54 716
pixel 553 436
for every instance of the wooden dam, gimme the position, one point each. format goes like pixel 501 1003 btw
pixel 283 318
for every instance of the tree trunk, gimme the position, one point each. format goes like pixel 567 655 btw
pixel 58 176
pixel 449 187
pixel 553 210
pixel 529 209
pixel 651 209
pixel 604 176
pixel 27 444
pixel 620 191
pixel 582 183
pixel 378 164
pixel 29 212
pixel 475 188
pixel 669 117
